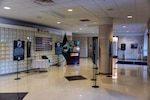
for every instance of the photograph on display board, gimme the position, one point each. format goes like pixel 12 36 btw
pixel 18 50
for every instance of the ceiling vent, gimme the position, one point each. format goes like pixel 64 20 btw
pixel 84 20
pixel 44 2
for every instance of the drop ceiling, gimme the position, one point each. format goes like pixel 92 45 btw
pixel 93 10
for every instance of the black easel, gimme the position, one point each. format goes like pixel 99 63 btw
pixel 17 69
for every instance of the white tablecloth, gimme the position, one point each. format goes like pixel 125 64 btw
pixel 40 63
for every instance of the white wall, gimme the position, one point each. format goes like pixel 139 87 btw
pixel 128 40
pixel 9 33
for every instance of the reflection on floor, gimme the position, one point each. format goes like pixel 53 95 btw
pixel 128 82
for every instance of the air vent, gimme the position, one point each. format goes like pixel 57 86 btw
pixel 84 20
pixel 44 2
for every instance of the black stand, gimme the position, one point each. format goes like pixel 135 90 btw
pixel 94 77
pixel 17 71
pixel 27 71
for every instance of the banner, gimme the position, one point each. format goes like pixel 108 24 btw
pixel 18 50
pixel 65 48
pixel 28 49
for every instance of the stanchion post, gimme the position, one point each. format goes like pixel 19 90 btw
pixel 27 71
pixel 17 69
pixel 95 71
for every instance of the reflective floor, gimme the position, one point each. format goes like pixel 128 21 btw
pixel 128 82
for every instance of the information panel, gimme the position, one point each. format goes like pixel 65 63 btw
pixel 18 50
pixel 58 48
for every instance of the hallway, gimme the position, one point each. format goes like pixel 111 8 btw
pixel 129 82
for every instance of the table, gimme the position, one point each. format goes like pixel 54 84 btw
pixel 40 63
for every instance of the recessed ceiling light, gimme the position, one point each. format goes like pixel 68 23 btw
pixel 124 26
pixel 58 22
pixel 7 8
pixel 129 16
pixel 70 9
pixel 80 29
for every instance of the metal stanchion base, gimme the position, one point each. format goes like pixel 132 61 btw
pixel 95 86
pixel 93 79
pixel 109 75
pixel 17 78
pixel 27 72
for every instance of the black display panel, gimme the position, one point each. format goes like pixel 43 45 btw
pixel 18 50
pixel 28 49
pixel 123 46
pixel 134 46
pixel 95 50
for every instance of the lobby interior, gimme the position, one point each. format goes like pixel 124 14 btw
pixel 27 20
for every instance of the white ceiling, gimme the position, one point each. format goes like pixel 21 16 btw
pixel 94 10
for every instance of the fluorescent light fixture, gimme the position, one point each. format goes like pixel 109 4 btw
pixel 70 10
pixel 58 22
pixel 7 8
pixel 129 16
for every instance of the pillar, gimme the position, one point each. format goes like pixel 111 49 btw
pixel 148 56
pixel 105 45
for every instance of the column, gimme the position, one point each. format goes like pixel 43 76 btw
pixel 105 45
pixel 148 56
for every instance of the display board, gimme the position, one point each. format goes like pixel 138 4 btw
pixel 123 46
pixel 74 47
pixel 58 48
pixel 18 50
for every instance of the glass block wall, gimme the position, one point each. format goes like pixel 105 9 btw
pixel 9 33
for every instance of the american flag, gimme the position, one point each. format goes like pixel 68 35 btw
pixel 43 43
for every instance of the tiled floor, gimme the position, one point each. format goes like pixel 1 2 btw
pixel 129 82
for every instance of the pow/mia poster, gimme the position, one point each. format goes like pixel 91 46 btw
pixel 58 48
pixel 18 50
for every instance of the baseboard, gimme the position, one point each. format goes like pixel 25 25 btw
pixel 18 72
